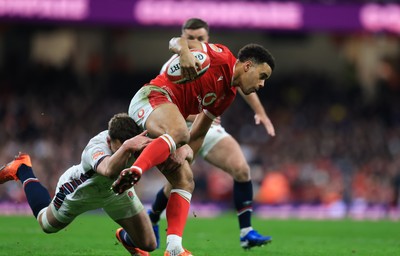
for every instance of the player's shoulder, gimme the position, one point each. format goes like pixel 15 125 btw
pixel 218 47
pixel 99 142
pixel 99 138
pixel 96 148
pixel 218 50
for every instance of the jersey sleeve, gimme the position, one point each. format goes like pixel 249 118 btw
pixel 95 152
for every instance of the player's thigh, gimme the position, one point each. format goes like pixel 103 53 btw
pixel 153 110
pixel 166 118
pixel 123 206
pixel 228 156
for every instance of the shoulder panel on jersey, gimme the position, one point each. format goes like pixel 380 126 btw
pixel 215 48
pixel 204 46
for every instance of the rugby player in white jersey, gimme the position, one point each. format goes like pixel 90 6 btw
pixel 214 150
pixel 87 186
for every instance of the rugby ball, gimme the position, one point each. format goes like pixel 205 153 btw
pixel 173 70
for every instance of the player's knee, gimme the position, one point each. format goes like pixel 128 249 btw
pixel 146 243
pixel 183 181
pixel 149 247
pixel 241 173
pixel 190 185
pixel 188 180
pixel 44 223
pixel 181 136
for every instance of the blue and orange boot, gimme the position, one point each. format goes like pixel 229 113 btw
pixel 9 171
pixel 132 250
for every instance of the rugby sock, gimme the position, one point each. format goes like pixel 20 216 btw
pixel 243 200
pixel 158 206
pixel 38 197
pixel 156 152
pixel 174 245
pixel 177 211
pixel 126 238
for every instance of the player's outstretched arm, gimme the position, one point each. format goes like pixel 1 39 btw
pixel 260 116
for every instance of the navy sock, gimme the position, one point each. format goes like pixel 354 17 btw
pixel 243 200
pixel 158 206
pixel 37 195
pixel 126 238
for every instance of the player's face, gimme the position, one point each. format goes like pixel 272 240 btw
pixel 115 145
pixel 199 34
pixel 253 76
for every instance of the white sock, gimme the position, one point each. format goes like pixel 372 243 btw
pixel 174 245
pixel 244 231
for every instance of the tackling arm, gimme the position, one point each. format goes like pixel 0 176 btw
pixel 112 165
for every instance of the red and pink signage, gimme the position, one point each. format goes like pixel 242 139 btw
pixel 276 15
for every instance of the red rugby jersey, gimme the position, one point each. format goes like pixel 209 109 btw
pixel 211 93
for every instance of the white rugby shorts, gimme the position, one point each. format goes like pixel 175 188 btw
pixel 79 193
pixel 214 135
pixel 145 101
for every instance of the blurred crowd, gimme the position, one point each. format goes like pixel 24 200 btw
pixel 333 143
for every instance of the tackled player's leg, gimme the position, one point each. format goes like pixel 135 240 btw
pixel 182 186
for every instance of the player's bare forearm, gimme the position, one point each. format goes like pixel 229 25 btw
pixel 111 166
pixel 260 115
pixel 195 145
pixel 264 120
pixel 254 102
pixel 191 118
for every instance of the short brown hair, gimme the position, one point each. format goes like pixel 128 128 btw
pixel 122 127
pixel 195 23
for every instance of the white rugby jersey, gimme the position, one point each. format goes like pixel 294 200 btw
pixel 83 177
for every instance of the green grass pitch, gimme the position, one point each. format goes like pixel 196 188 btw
pixel 93 234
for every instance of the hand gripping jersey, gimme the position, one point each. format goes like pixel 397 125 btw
pixel 211 93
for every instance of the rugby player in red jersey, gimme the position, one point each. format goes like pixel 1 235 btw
pixel 161 107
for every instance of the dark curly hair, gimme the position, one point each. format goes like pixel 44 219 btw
pixel 257 54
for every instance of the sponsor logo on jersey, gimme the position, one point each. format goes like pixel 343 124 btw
pixel 141 113
pixel 209 99
pixel 96 155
